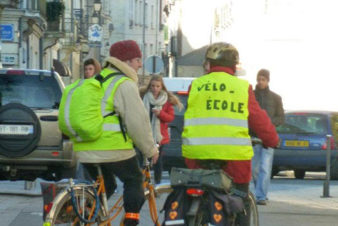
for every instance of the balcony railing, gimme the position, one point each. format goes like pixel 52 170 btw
pixel 9 3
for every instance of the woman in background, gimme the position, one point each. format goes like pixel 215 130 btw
pixel 159 102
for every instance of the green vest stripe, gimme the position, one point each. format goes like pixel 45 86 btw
pixel 67 113
pixel 216 141
pixel 216 121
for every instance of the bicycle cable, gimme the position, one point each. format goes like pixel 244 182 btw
pixel 76 210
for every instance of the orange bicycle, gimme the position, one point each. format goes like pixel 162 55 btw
pixel 86 203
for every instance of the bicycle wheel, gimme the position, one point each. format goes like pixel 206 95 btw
pixel 62 212
pixel 254 219
pixel 200 218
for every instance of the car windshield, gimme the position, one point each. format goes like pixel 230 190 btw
pixel 34 91
pixel 304 124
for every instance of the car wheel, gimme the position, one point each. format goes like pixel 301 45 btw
pixel 20 130
pixel 299 174
pixel 274 172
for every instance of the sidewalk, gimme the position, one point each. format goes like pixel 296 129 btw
pixel 21 187
pixel 307 193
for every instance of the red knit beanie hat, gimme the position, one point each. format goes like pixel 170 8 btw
pixel 125 50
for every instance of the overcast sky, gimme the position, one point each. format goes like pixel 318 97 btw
pixel 297 41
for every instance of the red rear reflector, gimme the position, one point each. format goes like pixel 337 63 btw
pixel 15 72
pixel 182 92
pixel 194 192
pixel 48 207
pixel 324 146
pixel 55 153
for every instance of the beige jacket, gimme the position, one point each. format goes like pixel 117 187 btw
pixel 129 106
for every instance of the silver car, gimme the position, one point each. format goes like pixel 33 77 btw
pixel 31 144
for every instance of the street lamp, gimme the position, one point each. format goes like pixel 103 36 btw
pixel 95 18
pixel 97 5
pixel 95 30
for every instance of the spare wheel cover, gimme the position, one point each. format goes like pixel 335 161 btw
pixel 20 130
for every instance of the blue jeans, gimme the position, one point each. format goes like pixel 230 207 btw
pixel 261 170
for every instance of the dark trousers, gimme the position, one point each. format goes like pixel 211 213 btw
pixel 129 172
pixel 244 219
pixel 158 167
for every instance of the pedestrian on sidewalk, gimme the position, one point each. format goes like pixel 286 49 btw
pixel 263 156
pixel 159 102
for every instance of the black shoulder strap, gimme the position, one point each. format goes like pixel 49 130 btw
pixel 101 79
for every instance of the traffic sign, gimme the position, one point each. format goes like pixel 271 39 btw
pixel 6 32
pixel 95 33
pixel 154 64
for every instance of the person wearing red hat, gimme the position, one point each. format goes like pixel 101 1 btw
pixel 116 154
pixel 129 52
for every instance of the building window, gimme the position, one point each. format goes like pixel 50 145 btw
pixel 145 51
pixel 140 13
pixel 146 15
pixel 152 17
pixel 131 13
pixel 151 49
pixel 136 12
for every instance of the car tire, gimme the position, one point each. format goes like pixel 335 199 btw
pixel 299 174
pixel 13 146
pixel 274 172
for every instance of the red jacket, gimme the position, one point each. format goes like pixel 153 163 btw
pixel 166 115
pixel 260 123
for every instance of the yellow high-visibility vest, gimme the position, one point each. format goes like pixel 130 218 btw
pixel 216 120
pixel 112 137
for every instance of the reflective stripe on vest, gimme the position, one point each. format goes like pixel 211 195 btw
pixel 67 112
pixel 107 94
pixel 216 119
pixel 111 127
pixel 216 141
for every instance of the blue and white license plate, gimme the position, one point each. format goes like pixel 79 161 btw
pixel 16 129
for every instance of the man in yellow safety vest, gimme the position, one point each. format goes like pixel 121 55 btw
pixel 129 126
pixel 221 109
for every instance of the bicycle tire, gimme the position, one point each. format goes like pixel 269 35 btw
pixel 62 212
pixel 199 219
pixel 254 218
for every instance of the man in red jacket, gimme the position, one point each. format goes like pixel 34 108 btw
pixel 226 108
